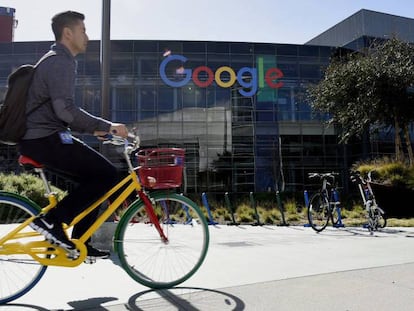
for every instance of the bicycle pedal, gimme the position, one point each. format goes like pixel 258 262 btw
pixel 90 260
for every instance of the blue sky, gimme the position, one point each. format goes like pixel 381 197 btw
pixel 273 21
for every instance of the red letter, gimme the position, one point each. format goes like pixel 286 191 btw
pixel 210 76
pixel 273 74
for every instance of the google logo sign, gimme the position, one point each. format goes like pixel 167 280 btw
pixel 257 76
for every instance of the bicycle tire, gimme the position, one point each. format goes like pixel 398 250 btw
pixel 150 261
pixel 318 212
pixel 381 219
pixel 19 273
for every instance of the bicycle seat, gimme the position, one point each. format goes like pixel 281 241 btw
pixel 29 163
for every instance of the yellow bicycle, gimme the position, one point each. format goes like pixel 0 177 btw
pixel 161 239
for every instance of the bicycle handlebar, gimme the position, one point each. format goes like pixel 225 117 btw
pixel 322 175
pixel 119 141
pixel 356 176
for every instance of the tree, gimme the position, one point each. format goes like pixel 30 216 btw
pixel 372 89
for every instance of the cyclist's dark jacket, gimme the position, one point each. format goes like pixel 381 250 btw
pixel 54 86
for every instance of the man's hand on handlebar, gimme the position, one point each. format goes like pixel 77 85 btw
pixel 117 129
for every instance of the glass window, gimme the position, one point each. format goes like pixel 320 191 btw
pixel 174 47
pixel 5 67
pixel 5 48
pixel 310 70
pixel 147 66
pixel 121 63
pixel 217 47
pixel 92 64
pixel 287 49
pixel 265 48
pixel 194 47
pixel 121 46
pixel 145 46
pixel 147 98
pixel 264 116
pixel 218 97
pixel 308 50
pixel 94 47
pixel 290 70
pixel 200 99
pixel 123 105
pixel 166 99
pixel 239 61
pixel 241 48
pixel 91 99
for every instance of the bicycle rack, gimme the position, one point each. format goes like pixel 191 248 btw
pixel 256 214
pixel 231 210
pixel 337 206
pixel 306 197
pixel 210 220
pixel 338 209
pixel 281 208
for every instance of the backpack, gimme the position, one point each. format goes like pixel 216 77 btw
pixel 13 108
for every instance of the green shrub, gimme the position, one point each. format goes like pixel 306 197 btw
pixel 387 171
pixel 27 185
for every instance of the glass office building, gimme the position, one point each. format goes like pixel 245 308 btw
pixel 239 109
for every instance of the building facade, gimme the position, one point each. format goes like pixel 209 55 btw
pixel 239 109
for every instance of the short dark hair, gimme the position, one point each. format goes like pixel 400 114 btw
pixel 65 19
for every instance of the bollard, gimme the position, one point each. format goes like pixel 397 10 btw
pixel 306 197
pixel 254 206
pixel 338 209
pixel 281 208
pixel 165 208
pixel 230 208
pixel 210 220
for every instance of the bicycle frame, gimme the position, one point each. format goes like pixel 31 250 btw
pixel 331 197
pixel 324 205
pixel 57 256
pixel 375 214
pixel 367 194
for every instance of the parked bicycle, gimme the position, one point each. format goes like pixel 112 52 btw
pixel 375 214
pixel 161 239
pixel 324 204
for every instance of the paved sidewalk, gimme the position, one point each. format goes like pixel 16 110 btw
pixel 254 268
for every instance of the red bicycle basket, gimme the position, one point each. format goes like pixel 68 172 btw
pixel 164 164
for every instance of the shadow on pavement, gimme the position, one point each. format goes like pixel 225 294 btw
pixel 186 298
pixel 91 303
pixel 21 307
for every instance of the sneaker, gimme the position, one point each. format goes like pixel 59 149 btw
pixel 53 233
pixel 94 253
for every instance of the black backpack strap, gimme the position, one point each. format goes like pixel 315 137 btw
pixel 47 55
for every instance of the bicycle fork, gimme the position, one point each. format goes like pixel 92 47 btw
pixel 151 214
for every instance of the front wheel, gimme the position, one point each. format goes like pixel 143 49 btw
pixel 150 260
pixel 19 272
pixel 318 212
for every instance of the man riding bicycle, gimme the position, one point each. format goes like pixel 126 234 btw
pixel 48 139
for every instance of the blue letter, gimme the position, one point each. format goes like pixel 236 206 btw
pixel 167 81
pixel 253 81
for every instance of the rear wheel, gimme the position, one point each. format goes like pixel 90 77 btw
pixel 318 212
pixel 18 272
pixel 380 218
pixel 146 257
